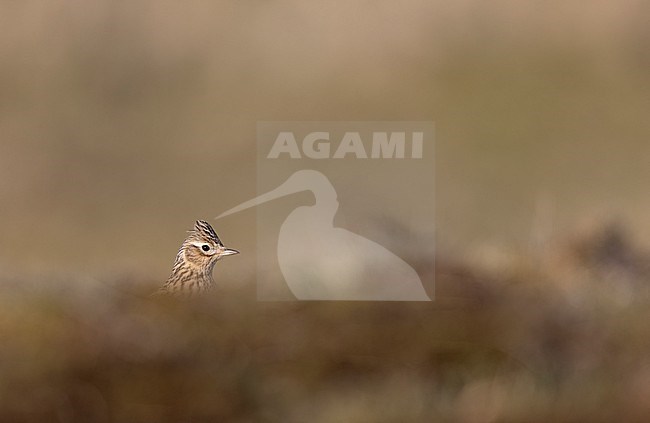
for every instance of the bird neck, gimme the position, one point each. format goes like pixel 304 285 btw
pixel 190 274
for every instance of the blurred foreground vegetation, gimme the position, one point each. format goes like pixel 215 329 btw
pixel 559 337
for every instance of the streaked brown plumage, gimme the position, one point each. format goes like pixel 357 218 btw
pixel 192 271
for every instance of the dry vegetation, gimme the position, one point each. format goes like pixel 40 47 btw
pixel 506 345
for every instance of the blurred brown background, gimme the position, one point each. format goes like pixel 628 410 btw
pixel 123 122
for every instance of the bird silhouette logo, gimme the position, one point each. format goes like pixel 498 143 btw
pixel 322 262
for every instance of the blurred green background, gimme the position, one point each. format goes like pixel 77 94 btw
pixel 123 122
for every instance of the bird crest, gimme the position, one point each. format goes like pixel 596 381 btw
pixel 203 231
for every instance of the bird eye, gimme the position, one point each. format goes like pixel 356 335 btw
pixel 205 247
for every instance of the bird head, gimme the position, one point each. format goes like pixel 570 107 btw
pixel 203 246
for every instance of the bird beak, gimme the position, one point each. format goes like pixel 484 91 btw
pixel 228 252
